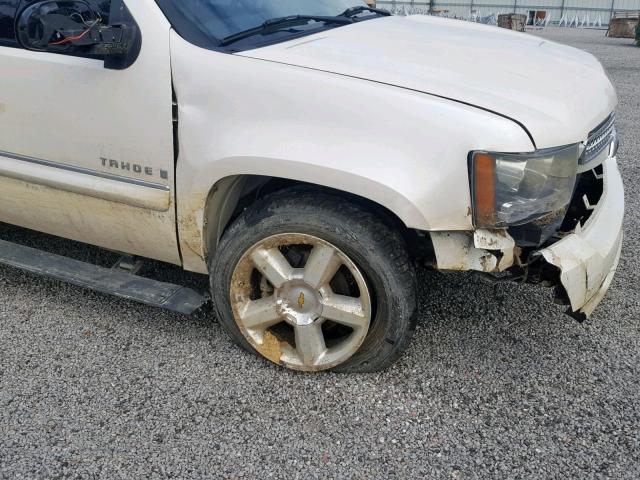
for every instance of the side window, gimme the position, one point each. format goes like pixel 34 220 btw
pixel 7 16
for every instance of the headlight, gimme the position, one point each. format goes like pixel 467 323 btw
pixel 515 189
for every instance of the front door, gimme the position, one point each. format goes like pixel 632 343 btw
pixel 87 152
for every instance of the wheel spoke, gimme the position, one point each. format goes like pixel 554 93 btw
pixel 310 343
pixel 273 265
pixel 260 314
pixel 344 310
pixel 322 266
pixel 287 325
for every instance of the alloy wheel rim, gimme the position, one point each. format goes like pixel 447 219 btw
pixel 301 302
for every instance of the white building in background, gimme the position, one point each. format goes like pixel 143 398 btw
pixel 576 13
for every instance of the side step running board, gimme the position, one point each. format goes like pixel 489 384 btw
pixel 106 280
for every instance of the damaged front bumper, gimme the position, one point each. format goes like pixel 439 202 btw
pixel 588 258
pixel 584 261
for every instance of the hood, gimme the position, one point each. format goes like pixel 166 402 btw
pixel 558 93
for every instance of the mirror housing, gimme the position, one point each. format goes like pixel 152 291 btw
pixel 73 27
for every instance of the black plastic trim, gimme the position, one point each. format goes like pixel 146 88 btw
pixel 121 14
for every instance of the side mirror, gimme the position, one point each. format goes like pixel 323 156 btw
pixel 74 28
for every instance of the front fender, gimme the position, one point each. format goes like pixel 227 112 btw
pixel 402 149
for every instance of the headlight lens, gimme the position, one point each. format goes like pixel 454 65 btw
pixel 515 189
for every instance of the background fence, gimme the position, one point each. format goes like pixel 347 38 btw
pixel 576 13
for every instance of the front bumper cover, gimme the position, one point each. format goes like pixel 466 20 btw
pixel 585 259
pixel 588 258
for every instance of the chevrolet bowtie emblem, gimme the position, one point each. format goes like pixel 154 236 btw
pixel 301 300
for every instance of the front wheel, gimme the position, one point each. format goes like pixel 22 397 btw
pixel 311 282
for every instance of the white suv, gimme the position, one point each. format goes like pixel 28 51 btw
pixel 307 156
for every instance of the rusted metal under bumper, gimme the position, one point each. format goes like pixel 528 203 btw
pixel 588 258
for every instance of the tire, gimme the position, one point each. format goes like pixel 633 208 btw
pixel 375 272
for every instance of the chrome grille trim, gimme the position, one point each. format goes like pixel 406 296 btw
pixel 599 139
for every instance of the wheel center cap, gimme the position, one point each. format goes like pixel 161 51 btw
pixel 299 303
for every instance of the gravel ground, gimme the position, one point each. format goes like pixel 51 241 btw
pixel 497 384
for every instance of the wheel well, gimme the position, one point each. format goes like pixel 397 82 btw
pixel 232 195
